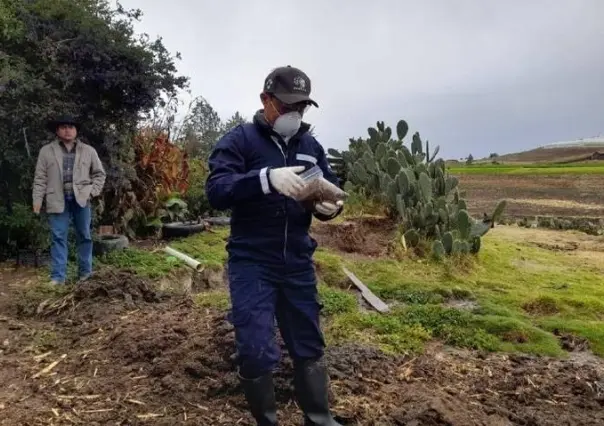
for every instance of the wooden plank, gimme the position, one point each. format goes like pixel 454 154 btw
pixel 367 294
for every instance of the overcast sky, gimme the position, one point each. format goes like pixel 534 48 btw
pixel 473 76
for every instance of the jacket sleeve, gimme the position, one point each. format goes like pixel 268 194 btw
pixel 330 176
pixel 97 174
pixel 40 179
pixel 229 182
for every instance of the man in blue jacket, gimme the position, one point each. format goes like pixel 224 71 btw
pixel 254 172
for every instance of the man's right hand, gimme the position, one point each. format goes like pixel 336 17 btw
pixel 37 208
pixel 286 181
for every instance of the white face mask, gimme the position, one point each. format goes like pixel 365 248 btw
pixel 287 125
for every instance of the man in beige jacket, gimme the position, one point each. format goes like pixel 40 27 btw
pixel 68 174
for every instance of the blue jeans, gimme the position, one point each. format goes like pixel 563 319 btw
pixel 59 229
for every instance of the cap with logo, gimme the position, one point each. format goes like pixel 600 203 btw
pixel 290 85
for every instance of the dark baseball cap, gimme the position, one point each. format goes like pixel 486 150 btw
pixel 290 85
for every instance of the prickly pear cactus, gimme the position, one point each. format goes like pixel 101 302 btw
pixel 438 250
pixel 416 188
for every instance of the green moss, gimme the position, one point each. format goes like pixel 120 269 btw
pixel 453 326
pixel 383 331
pixel 217 299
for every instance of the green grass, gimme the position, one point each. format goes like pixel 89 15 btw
pixel 217 299
pixel 520 295
pixel 206 247
pixel 336 301
pixel 141 262
pixel 529 169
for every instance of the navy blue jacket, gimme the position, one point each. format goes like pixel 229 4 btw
pixel 266 227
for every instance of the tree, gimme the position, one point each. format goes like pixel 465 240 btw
pixel 469 159
pixel 78 57
pixel 235 120
pixel 201 128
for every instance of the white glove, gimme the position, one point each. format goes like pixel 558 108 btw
pixel 286 181
pixel 328 208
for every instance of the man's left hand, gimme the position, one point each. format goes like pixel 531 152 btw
pixel 328 208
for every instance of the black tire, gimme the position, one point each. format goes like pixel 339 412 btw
pixel 108 243
pixel 181 229
pixel 219 221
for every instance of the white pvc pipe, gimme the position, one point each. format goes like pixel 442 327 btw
pixel 187 259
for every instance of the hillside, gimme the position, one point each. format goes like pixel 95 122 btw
pixel 557 153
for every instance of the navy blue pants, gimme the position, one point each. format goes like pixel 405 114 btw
pixel 259 295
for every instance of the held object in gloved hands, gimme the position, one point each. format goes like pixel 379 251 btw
pixel 328 208
pixel 318 189
pixel 286 180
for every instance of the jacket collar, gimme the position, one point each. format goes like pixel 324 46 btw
pixel 59 144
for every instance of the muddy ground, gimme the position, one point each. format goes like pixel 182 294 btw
pixel 117 352
pixel 367 236
pixel 562 195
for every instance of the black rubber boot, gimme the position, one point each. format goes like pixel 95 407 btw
pixel 260 395
pixel 311 384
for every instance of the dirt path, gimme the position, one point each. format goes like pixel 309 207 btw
pixel 117 352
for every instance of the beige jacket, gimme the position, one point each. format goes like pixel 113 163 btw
pixel 88 176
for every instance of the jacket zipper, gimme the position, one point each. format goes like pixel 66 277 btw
pixel 286 219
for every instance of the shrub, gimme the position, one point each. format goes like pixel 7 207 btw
pixel 22 229
pixel 196 193
pixel 162 171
